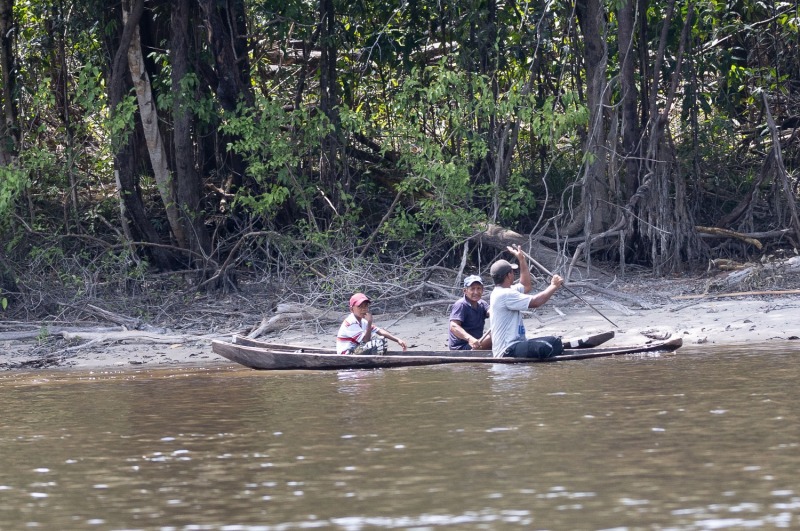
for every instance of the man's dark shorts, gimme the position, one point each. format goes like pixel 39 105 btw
pixel 539 347
pixel 465 346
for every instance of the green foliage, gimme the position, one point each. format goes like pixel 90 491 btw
pixel 275 142
pixel 267 203
pixel 431 114
pixel 13 181
pixel 199 104
pixel 558 120
pixel 517 200
pixel 437 117
pixel 120 122
pixel 440 87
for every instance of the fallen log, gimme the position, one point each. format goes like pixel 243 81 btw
pixel 725 233
pixel 131 323
pixel 767 270
pixel 737 294
pixel 286 314
pixel 500 238
pixel 45 331
pixel 779 233
pixel 134 336
pixel 632 299
pixel 726 264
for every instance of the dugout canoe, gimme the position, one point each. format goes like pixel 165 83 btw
pixel 265 359
pixel 592 340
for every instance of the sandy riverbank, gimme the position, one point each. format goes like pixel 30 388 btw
pixel 667 309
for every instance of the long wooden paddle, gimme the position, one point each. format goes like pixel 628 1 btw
pixel 546 271
pixel 484 336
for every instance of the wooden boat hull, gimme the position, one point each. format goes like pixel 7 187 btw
pixel 266 359
pixel 590 341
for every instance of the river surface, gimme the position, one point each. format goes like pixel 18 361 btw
pixel 704 438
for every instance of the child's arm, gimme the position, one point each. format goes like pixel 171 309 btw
pixel 387 335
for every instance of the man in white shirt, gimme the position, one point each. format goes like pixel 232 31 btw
pixel 507 302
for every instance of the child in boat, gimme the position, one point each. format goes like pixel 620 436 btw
pixel 357 334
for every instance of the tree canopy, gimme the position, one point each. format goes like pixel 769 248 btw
pixel 209 137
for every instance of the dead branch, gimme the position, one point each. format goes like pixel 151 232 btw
pixel 46 331
pixel 725 233
pixel 754 235
pixel 726 264
pixel 746 204
pixel 637 301
pixel 133 336
pixel 737 294
pixel 287 313
pixel 386 216
pixel 233 255
pixel 419 305
pixel 122 320
pixel 768 270
pixel 499 238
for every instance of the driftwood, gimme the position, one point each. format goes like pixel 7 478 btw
pixel 88 337
pixel 792 265
pixel 130 323
pixel 725 233
pixel 47 331
pixel 133 335
pixel 286 314
pixel 417 306
pixel 738 294
pixel 499 238
pixel 726 264
pixel 125 321
pixel 770 269
pixel 631 299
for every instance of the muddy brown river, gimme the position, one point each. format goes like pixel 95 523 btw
pixel 704 438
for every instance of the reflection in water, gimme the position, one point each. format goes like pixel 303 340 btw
pixel 700 439
pixel 356 382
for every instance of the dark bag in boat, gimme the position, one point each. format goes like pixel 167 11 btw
pixel 538 347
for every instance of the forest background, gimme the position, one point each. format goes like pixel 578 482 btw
pixel 317 148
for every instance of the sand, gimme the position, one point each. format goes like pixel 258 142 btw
pixel 664 310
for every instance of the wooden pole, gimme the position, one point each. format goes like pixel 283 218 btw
pixel 546 271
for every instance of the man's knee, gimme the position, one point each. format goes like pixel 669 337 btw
pixel 540 347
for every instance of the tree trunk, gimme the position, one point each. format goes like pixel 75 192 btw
pixel 508 138
pixel 595 200
pixel 630 125
pixel 656 214
pixel 227 38
pixel 188 185
pixel 132 205
pixel 782 178
pixel 329 97
pixel 9 130
pixel 644 60
pixel 61 94
pixel 124 156
pixel 152 134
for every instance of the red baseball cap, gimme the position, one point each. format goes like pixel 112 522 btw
pixel 357 299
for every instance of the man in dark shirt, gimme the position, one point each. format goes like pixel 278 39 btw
pixel 467 318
